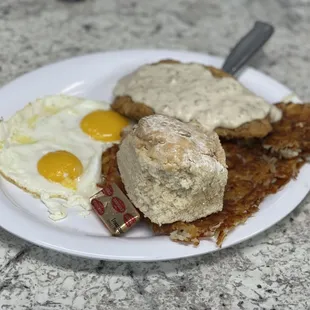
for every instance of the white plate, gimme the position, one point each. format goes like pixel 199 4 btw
pixel 94 76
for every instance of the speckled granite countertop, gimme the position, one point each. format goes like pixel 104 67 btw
pixel 271 271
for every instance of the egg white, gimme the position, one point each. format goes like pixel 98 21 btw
pixel 47 125
pixel 50 118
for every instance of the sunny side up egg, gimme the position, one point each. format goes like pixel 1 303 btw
pixel 52 148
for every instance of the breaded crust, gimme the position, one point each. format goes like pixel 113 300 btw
pixel 136 110
pixel 258 129
pixel 133 110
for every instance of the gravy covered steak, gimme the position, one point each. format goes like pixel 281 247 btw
pixel 194 92
pixel 172 171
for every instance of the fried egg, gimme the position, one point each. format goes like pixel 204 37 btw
pixel 52 149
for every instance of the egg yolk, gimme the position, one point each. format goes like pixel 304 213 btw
pixel 61 167
pixel 103 125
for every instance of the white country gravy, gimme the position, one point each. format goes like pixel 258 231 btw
pixel 190 92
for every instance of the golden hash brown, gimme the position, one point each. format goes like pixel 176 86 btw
pixel 109 168
pixel 136 110
pixel 252 176
pixel 291 135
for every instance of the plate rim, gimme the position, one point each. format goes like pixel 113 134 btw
pixel 59 248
